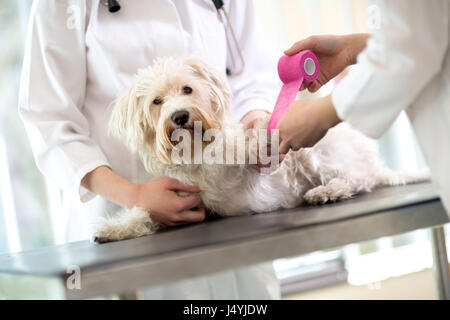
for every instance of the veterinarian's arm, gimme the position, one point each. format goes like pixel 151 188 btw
pixel 256 88
pixel 158 197
pixel 400 59
pixel 52 94
pixel 335 53
pixel 402 56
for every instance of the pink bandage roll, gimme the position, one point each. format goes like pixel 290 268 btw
pixel 293 70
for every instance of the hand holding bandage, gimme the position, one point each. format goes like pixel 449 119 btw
pixel 335 53
pixel 304 122
pixel 292 70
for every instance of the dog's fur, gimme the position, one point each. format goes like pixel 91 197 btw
pixel 339 166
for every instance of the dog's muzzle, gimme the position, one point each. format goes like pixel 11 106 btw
pixel 180 117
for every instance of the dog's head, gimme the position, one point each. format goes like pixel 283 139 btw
pixel 172 94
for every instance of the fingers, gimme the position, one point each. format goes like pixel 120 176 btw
pixel 191 216
pixel 259 166
pixel 267 156
pixel 176 185
pixel 306 44
pixel 186 216
pixel 186 203
pixel 314 86
pixel 252 117
pixel 311 86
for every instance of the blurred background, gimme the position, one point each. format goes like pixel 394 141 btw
pixel 394 267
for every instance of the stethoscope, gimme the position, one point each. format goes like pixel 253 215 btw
pixel 114 6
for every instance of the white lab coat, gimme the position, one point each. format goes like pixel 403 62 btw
pixel 406 65
pixel 78 59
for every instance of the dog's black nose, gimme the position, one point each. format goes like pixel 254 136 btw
pixel 180 117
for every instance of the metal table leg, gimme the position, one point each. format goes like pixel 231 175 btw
pixel 440 262
pixel 129 295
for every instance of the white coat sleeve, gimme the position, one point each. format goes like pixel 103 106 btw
pixel 52 92
pixel 403 54
pixel 257 86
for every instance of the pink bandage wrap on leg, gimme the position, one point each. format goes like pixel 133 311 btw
pixel 292 70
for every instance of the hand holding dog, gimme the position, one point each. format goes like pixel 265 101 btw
pixel 160 198
pixel 249 121
pixel 251 118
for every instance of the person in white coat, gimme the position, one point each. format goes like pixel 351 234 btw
pixel 78 59
pixel 404 64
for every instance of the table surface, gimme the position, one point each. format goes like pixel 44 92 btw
pixel 231 242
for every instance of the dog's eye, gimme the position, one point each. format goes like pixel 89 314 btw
pixel 157 101
pixel 187 90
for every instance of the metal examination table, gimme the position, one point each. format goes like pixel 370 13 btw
pixel 195 250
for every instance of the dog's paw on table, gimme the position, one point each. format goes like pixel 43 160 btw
pixel 133 223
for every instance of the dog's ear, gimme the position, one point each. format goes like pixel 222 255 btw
pixel 126 119
pixel 220 90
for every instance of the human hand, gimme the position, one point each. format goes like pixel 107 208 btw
pixel 306 122
pixel 160 199
pixel 335 53
pixel 253 117
pixel 250 121
pixel 260 165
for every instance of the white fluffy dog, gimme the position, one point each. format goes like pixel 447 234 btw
pixel 174 93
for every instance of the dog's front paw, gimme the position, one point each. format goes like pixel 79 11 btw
pixel 317 195
pixel 334 191
pixel 132 223
pixel 97 237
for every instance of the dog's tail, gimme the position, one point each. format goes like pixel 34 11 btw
pixel 390 177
